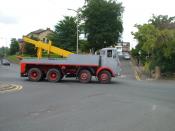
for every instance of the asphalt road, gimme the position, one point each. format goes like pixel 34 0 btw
pixel 123 105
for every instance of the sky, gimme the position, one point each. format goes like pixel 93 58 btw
pixel 20 17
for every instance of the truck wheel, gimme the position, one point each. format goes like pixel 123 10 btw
pixel 54 75
pixel 84 76
pixel 34 74
pixel 104 77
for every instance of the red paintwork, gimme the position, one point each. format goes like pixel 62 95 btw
pixel 66 68
pixel 23 67
pixel 34 75
pixel 84 76
pixel 105 68
pixel 59 64
pixel 104 77
pixel 70 71
pixel 53 75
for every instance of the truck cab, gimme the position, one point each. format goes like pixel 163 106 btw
pixel 110 59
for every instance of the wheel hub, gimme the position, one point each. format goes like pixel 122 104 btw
pixel 84 76
pixel 34 74
pixel 104 77
pixel 53 75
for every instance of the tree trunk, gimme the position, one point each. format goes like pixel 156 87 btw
pixel 157 72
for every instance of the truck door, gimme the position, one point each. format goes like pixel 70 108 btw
pixel 110 59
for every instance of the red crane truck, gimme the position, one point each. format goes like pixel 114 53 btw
pixel 83 67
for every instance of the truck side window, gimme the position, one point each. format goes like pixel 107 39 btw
pixel 109 53
pixel 102 52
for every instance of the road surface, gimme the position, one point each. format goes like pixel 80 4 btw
pixel 124 105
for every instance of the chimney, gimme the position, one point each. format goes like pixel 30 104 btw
pixel 48 29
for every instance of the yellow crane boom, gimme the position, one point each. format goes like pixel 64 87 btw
pixel 48 47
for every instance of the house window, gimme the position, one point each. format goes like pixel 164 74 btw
pixel 43 39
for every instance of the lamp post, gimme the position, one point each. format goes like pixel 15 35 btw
pixel 139 57
pixel 4 40
pixel 77 11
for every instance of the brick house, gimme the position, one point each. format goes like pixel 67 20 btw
pixel 39 34
pixel 21 46
pixel 125 46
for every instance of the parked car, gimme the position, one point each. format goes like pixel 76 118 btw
pixel 126 56
pixel 5 62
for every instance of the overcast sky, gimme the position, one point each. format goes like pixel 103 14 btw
pixel 20 17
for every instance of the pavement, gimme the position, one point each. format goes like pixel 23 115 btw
pixel 139 72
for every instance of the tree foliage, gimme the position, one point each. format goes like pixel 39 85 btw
pixel 4 51
pixel 156 41
pixel 31 49
pixel 162 21
pixel 103 23
pixel 14 46
pixel 65 34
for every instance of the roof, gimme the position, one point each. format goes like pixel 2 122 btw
pixel 109 48
pixel 20 40
pixel 38 31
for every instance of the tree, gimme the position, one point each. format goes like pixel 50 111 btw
pixel 14 46
pixel 164 50
pixel 31 49
pixel 146 36
pixel 162 21
pixel 65 35
pixel 103 23
pixel 4 51
pixel 157 43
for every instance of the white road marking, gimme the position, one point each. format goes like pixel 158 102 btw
pixel 15 88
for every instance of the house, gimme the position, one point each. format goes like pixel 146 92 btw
pixel 123 46
pixel 41 34
pixel 21 46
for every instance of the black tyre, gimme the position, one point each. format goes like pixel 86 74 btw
pixel 54 75
pixel 35 74
pixel 84 76
pixel 104 77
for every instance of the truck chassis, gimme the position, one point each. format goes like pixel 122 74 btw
pixel 55 72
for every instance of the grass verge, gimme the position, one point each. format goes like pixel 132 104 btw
pixel 13 59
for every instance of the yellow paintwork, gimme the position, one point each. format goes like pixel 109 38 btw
pixel 48 47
